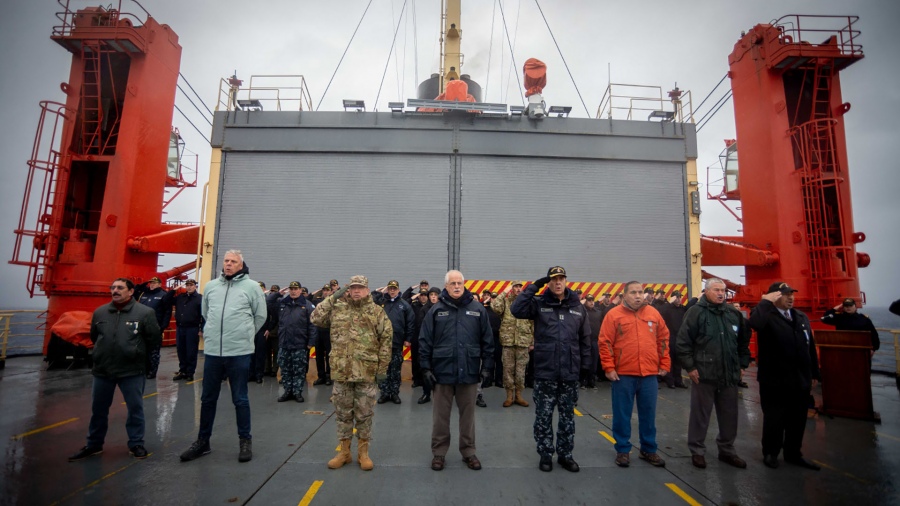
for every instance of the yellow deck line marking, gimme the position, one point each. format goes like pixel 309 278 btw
pixel 192 382
pixel 607 436
pixel 682 494
pixel 313 489
pixel 95 482
pixel 848 475
pixel 578 413
pixel 882 434
pixel 42 429
pixel 146 396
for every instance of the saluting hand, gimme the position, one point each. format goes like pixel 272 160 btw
pixel 772 296
pixel 541 282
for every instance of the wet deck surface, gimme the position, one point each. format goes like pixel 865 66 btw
pixel 292 442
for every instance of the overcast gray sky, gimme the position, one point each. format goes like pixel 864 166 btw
pixel 642 42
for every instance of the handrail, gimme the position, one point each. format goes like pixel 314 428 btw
pixel 272 92
pixel 841 27
pixel 67 16
pixel 6 334
pixel 896 334
pixel 633 96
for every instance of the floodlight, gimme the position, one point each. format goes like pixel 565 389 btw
pixel 395 106
pixel 359 105
pixel 662 115
pixel 516 110
pixel 250 105
pixel 560 110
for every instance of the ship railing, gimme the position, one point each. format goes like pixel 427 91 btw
pixel 644 102
pixel 134 14
pixel 17 328
pixel 818 29
pixel 896 335
pixel 268 92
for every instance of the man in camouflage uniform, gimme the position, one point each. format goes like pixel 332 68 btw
pixel 403 321
pixel 562 348
pixel 361 337
pixel 517 338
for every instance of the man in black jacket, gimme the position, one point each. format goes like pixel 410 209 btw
pixel 486 297
pixel 788 369
pixel 323 342
pixel 153 296
pixel 403 321
pixel 845 316
pixel 188 330
pixel 271 330
pixel 595 318
pixel 673 314
pixel 713 344
pixel 122 332
pixel 456 350
pixel 296 335
pixel 562 348
pixel 420 306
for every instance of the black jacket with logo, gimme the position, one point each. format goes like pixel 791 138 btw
pixel 562 333
pixel 786 349
pixel 295 331
pixel 121 339
pixel 456 341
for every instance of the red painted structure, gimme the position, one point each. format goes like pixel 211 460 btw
pixel 98 171
pixel 793 180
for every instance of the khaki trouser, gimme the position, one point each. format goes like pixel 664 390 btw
pixel 515 360
pixel 354 402
pixel 440 427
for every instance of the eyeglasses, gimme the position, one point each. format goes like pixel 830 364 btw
pixel 118 288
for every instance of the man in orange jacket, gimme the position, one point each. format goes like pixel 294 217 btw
pixel 634 349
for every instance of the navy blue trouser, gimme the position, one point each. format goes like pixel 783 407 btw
pixel 215 369
pixel 187 343
pixel 132 388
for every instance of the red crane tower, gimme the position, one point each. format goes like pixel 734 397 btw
pixel 101 163
pixel 793 181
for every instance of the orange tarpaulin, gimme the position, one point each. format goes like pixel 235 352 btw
pixel 457 91
pixel 535 76
pixel 74 327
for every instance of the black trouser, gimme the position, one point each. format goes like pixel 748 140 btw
pixel 498 361
pixel 272 352
pixel 260 354
pixel 529 370
pixel 784 419
pixel 323 349
pixel 674 377
pixel 414 361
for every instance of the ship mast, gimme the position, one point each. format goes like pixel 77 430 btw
pixel 451 35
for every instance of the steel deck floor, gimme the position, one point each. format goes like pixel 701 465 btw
pixel 292 442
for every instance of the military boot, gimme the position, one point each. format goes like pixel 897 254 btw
pixel 509 398
pixel 341 458
pixel 365 463
pixel 519 400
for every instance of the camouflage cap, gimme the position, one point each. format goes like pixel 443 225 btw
pixel 518 283
pixel 154 279
pixel 393 284
pixel 359 280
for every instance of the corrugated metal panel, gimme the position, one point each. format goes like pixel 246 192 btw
pixel 313 217
pixel 613 220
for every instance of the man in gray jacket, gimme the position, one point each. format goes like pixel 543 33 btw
pixel 122 332
pixel 234 310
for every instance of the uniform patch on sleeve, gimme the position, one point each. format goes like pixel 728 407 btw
pixel 473 313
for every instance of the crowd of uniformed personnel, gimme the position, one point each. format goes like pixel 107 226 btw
pixel 554 342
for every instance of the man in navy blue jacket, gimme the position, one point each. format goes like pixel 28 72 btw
pixel 188 329
pixel 562 349
pixel 456 351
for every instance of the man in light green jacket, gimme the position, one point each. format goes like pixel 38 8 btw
pixel 234 310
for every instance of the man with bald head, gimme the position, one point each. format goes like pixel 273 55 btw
pixel 456 352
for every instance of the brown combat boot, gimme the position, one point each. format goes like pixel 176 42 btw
pixel 365 463
pixel 341 458
pixel 519 400
pixel 509 398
